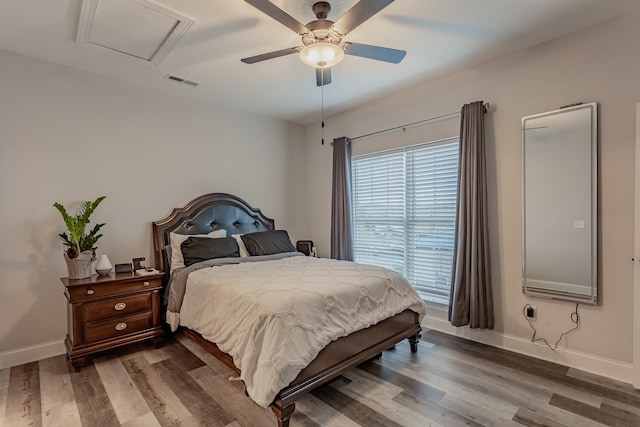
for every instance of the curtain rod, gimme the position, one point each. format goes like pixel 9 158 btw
pixel 410 125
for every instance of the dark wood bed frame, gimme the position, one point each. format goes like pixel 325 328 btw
pixel 219 210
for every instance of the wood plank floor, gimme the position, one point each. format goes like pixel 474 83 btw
pixel 449 382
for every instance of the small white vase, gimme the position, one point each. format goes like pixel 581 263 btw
pixel 103 267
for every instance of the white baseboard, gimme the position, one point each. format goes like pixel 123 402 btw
pixel 597 365
pixel 574 359
pixel 32 353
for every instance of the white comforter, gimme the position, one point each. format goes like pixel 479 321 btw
pixel 274 317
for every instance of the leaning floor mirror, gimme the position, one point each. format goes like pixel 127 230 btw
pixel 560 204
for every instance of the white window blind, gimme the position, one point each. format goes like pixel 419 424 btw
pixel 404 204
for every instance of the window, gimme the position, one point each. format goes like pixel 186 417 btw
pixel 404 206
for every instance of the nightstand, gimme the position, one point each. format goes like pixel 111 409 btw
pixel 104 312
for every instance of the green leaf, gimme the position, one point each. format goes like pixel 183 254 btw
pixel 88 241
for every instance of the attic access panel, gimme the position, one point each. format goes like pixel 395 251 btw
pixel 138 28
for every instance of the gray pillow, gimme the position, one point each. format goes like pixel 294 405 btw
pixel 268 242
pixel 197 249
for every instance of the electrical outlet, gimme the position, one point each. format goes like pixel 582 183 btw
pixel 532 311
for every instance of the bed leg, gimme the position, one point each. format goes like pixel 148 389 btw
pixel 413 342
pixel 283 415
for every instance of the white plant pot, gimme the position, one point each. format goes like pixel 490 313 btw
pixel 79 267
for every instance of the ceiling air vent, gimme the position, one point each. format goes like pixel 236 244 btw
pixel 181 80
pixel 138 28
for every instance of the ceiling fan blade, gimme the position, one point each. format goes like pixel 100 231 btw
pixel 270 55
pixel 322 80
pixel 279 15
pixel 374 52
pixel 359 13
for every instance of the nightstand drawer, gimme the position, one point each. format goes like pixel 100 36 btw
pixel 98 290
pixel 117 307
pixel 98 331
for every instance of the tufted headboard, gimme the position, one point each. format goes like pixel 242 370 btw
pixel 205 214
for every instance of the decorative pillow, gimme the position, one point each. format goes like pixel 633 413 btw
pixel 176 240
pixel 268 242
pixel 196 249
pixel 243 248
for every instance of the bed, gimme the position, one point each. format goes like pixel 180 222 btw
pixel 220 211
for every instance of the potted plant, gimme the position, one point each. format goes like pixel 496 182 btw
pixel 81 248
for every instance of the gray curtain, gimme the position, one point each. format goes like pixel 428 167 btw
pixel 341 228
pixel 470 301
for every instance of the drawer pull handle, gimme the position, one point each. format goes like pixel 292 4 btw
pixel 146 283
pixel 121 326
pixel 120 306
pixel 90 291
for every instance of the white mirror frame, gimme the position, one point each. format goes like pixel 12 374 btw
pixel 585 289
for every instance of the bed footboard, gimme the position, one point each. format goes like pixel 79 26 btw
pixel 344 354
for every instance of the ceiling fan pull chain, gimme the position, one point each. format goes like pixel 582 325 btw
pixel 322 100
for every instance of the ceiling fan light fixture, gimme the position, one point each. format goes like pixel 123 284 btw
pixel 321 54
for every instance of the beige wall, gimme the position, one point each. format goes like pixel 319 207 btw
pixel 599 64
pixel 636 275
pixel 69 136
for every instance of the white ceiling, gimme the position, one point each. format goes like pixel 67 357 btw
pixel 440 37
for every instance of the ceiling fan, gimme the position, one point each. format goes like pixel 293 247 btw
pixel 322 39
